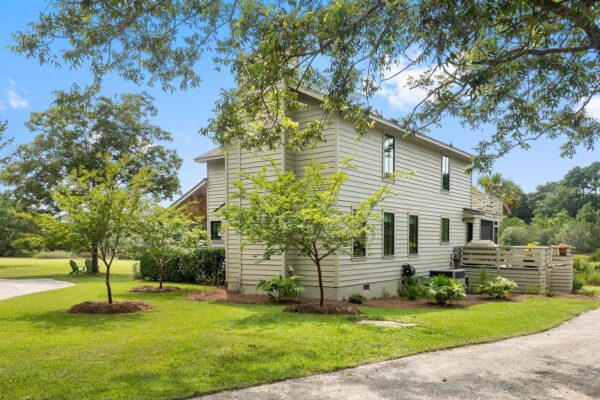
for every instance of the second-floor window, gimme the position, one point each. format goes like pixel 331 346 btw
pixel 445 173
pixel 388 234
pixel 389 154
pixel 215 230
pixel 413 234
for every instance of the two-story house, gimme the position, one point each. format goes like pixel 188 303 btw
pixel 433 211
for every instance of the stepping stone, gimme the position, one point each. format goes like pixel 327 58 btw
pixel 386 324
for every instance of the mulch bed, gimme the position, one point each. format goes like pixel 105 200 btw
pixel 155 289
pixel 328 308
pixel 103 307
pixel 307 305
pixel 222 295
pixel 302 305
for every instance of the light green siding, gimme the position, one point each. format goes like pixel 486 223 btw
pixel 420 195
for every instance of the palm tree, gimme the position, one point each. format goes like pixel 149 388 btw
pixel 496 185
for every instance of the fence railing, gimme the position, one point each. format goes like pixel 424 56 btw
pixel 541 266
pixel 486 203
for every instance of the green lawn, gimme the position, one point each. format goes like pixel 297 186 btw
pixel 185 348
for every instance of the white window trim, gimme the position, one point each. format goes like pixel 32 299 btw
pixel 383 135
pixel 411 214
pixel 442 218
pixel 442 174
pixel 383 255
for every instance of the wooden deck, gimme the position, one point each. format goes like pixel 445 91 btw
pixel 487 203
pixel 541 267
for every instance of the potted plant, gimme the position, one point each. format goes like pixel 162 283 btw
pixel 562 249
pixel 529 258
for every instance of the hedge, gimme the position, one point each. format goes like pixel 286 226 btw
pixel 205 265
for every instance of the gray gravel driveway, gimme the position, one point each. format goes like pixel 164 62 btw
pixel 562 363
pixel 18 287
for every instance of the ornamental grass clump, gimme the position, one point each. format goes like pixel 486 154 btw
pixel 444 289
pixel 497 288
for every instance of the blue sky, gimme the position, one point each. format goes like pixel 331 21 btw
pixel 25 86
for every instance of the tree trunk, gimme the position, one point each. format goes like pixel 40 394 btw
pixel 318 262
pixel 95 266
pixel 162 274
pixel 110 300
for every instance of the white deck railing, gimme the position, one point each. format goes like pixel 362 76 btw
pixel 529 266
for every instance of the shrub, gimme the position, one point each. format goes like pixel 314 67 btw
pixel 497 288
pixel 356 298
pixel 411 289
pixel 484 276
pixel 281 289
pixel 444 289
pixel 595 257
pixel 550 292
pixel 585 292
pixel 578 282
pixel 205 265
pixel 411 292
pixel 593 279
pixel 135 269
pixel 532 289
pixel 582 264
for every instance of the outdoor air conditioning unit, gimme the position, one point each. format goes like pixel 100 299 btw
pixel 458 274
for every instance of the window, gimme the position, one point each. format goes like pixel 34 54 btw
pixel 445 229
pixel 215 230
pixel 389 154
pixel 359 247
pixel 469 231
pixel 413 234
pixel 486 231
pixel 388 234
pixel 445 173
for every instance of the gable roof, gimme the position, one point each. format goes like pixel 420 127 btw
pixel 394 125
pixel 214 154
pixel 189 193
pixel 217 153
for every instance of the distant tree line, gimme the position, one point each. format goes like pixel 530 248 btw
pixel 566 211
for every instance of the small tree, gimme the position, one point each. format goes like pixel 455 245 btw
pixel 284 212
pixel 165 233
pixel 105 214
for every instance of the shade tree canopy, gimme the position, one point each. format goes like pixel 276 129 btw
pixel 77 131
pixel 527 69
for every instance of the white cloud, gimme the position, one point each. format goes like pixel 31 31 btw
pixel 593 107
pixel 15 100
pixel 397 89
pixel 398 85
pixel 12 96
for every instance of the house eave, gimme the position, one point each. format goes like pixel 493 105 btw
pixel 395 126
pixel 187 194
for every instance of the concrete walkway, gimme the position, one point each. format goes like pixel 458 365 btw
pixel 563 363
pixel 19 287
